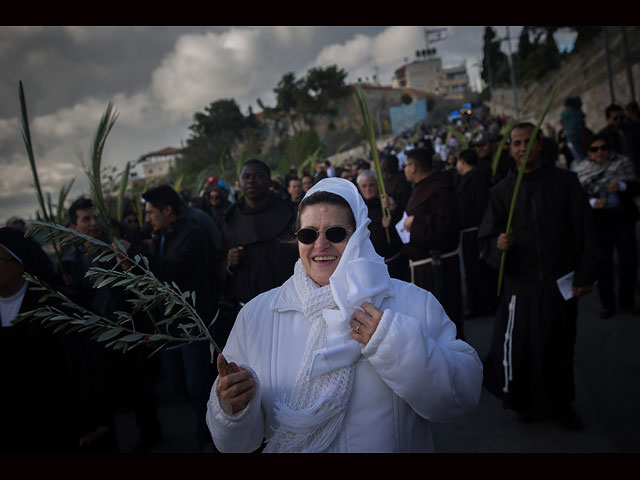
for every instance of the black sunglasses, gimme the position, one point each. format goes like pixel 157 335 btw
pixel 309 235
pixel 604 148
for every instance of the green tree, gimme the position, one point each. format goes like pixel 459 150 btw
pixel 214 134
pixel 584 37
pixel 537 53
pixel 324 85
pixel 303 98
pixel 291 99
pixel 495 64
pixel 406 99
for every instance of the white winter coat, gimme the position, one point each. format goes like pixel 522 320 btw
pixel 413 371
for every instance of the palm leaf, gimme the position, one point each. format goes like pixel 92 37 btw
pixel 309 161
pixel 462 140
pixel 62 197
pixel 94 173
pixel 123 188
pixel 26 136
pixel 363 102
pixel 496 155
pixel 519 180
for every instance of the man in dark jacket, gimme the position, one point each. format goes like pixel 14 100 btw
pixel 472 193
pixel 552 259
pixel 180 253
pixel 432 220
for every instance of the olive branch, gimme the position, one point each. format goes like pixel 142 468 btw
pixel 148 294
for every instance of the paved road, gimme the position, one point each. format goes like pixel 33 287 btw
pixel 607 368
pixel 607 372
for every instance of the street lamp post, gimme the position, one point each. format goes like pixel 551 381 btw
pixel 608 59
pixel 513 75
pixel 512 70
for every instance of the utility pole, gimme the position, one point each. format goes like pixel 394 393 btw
pixel 627 57
pixel 606 55
pixel 513 75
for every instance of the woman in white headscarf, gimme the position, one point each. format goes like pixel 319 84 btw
pixel 340 358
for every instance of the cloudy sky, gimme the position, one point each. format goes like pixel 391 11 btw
pixel 158 77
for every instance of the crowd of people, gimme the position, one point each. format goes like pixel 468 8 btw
pixel 342 297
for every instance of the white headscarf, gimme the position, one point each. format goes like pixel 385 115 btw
pixel 361 276
pixel 311 419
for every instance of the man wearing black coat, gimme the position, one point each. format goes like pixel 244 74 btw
pixel 434 226
pixel 255 234
pixel 181 253
pixel 551 245
pixel 472 193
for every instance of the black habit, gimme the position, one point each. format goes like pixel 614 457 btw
pixel 553 236
pixel 436 231
pixel 472 193
pixel 266 235
pixel 390 248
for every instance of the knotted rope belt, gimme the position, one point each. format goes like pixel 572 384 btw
pixel 424 261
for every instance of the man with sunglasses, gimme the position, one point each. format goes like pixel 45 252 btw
pixel 619 136
pixel 530 362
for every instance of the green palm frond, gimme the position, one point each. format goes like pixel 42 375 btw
pixel 462 140
pixel 496 155
pixel 26 136
pixel 95 172
pixel 309 161
pixel 62 197
pixel 365 109
pixel 122 190
pixel 519 180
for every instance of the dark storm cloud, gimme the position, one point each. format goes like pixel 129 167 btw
pixel 62 65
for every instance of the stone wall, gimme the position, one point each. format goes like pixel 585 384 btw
pixel 584 75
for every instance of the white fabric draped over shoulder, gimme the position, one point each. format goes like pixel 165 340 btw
pixel 361 276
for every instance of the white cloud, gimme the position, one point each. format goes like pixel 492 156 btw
pixel 9 128
pixel 202 68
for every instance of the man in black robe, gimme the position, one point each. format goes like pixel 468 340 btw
pixel 256 230
pixel 432 220
pixel 395 183
pixel 530 363
pixel 472 192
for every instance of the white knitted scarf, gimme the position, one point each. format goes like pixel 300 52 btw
pixel 311 419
